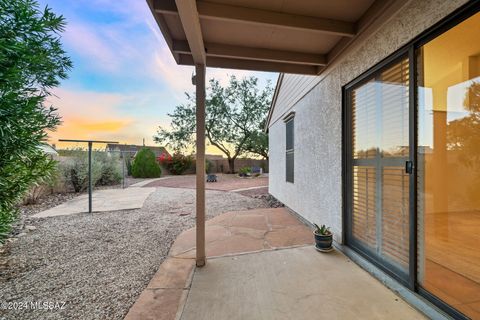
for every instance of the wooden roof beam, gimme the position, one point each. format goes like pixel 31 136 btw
pixel 187 10
pixel 254 65
pixel 215 11
pixel 260 54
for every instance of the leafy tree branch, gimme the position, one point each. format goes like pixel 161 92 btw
pixel 234 117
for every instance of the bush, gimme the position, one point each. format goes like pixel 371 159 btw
pixel 145 165
pixel 245 171
pixel 32 62
pixel 105 169
pixel 176 164
pixel 111 168
pixel 16 180
pixel 43 185
pixel 76 170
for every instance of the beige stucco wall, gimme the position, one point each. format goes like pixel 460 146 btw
pixel 317 191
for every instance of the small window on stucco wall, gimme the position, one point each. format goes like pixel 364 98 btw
pixel 290 148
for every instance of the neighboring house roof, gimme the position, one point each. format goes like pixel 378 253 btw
pixel 132 148
pixel 48 149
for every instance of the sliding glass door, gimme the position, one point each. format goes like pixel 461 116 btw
pixel 412 165
pixel 379 208
pixel 449 167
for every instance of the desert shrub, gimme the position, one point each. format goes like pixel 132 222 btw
pixel 245 171
pixel 176 164
pixel 76 170
pixel 111 168
pixel 145 165
pixel 106 169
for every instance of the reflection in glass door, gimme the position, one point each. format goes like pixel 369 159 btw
pixel 379 210
pixel 448 173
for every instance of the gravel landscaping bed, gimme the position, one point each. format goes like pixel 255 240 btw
pixel 96 265
pixel 23 223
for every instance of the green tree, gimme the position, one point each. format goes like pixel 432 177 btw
pixel 234 115
pixel 257 144
pixel 32 62
pixel 463 139
pixel 145 165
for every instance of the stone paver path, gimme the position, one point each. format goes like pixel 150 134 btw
pixel 245 231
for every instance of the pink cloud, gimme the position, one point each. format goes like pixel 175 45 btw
pixel 93 115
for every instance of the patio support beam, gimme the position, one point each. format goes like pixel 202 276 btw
pixel 187 10
pixel 216 11
pixel 200 163
pixel 257 54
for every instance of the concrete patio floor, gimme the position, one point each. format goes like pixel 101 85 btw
pixel 102 200
pixel 262 265
pixel 297 283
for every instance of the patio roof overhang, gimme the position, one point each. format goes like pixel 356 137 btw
pixel 290 36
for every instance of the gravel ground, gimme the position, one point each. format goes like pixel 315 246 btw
pixel 24 222
pixel 98 264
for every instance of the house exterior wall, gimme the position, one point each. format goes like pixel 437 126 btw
pixel 294 87
pixel 316 193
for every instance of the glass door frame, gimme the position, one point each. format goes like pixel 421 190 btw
pixel 405 278
pixel 410 49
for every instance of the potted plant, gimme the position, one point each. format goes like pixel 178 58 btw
pixel 245 172
pixel 323 238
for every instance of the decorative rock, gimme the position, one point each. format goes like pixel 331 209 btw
pixel 123 249
pixel 30 228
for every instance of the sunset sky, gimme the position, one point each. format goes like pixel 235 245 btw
pixel 124 80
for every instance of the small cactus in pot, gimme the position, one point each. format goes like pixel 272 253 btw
pixel 323 238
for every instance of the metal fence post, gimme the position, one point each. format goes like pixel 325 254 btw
pixel 90 177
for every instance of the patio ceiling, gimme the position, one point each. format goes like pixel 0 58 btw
pixel 289 36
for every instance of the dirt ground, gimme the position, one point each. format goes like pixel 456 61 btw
pixel 225 182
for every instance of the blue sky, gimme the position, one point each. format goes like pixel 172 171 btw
pixel 124 80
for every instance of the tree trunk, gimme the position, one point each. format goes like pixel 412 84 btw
pixel 231 165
